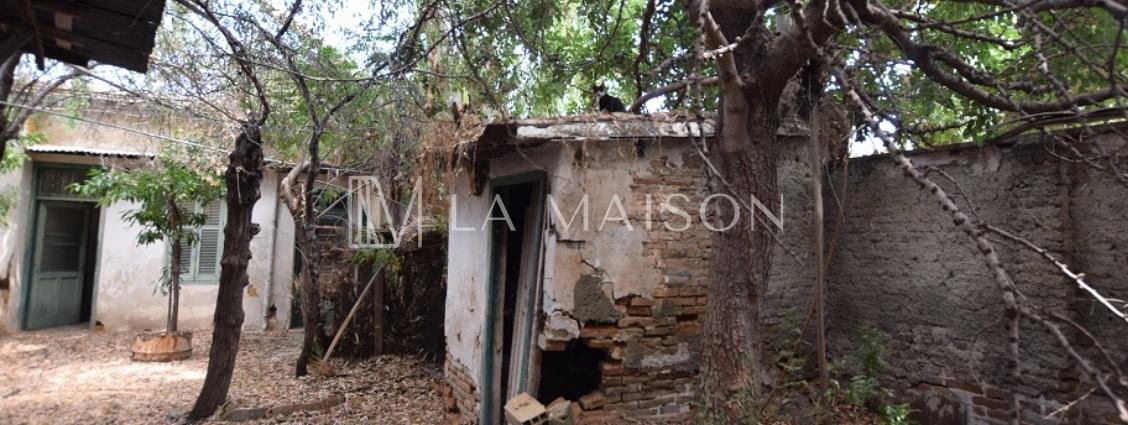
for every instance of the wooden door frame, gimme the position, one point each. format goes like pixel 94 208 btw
pixel 27 263
pixel 490 375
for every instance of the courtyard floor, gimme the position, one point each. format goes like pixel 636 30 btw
pixel 72 375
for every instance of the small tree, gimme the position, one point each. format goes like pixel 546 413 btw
pixel 166 195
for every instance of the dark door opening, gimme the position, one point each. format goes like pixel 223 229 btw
pixel 516 198
pixel 515 249
pixel 571 373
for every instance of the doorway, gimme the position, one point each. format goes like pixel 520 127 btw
pixel 513 288
pixel 63 252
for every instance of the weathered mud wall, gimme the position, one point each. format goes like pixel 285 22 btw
pixel 633 292
pixel 899 265
pixel 902 267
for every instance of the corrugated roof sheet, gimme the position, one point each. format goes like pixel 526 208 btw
pixel 82 150
pixel 114 32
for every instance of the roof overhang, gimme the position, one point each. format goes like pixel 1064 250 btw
pixel 115 32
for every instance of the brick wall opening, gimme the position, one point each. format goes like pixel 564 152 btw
pixel 570 373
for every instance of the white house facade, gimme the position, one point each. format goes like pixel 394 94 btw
pixel 65 260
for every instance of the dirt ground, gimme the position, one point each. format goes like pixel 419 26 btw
pixel 72 376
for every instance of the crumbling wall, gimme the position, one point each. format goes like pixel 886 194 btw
pixel 636 292
pixel 639 294
pixel 902 267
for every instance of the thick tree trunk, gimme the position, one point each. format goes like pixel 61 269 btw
pixel 745 156
pixel 243 178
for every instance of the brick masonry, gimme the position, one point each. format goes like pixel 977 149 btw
pixel 464 397
pixel 902 266
pixel 899 265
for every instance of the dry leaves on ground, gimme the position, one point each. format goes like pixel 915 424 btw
pixel 74 376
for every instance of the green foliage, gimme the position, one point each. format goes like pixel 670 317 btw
pixel 867 367
pixel 13 159
pixel 864 388
pixel 388 258
pixel 541 58
pixel 896 414
pixel 164 195
pixel 15 156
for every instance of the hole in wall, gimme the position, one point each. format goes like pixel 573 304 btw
pixel 570 373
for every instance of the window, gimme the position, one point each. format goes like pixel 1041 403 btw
pixel 199 262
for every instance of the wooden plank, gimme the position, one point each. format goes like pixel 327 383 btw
pixel 112 54
pixel 36 39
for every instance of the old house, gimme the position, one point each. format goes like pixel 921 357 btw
pixel 579 249
pixel 65 260
pixel 597 294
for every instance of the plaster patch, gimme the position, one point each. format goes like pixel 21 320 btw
pixel 592 304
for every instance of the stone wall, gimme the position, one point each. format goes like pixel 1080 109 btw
pixel 902 267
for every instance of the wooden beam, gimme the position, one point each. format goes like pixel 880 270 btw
pixel 13 44
pixel 99 50
pixel 36 40
pixel 70 37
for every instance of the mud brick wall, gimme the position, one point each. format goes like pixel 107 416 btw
pixel 638 296
pixel 466 398
pixel 902 267
pixel 654 344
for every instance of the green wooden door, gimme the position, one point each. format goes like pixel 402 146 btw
pixel 58 262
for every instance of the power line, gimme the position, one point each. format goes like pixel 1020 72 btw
pixel 114 126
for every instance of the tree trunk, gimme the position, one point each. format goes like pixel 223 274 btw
pixel 313 336
pixel 745 157
pixel 7 83
pixel 740 258
pixel 243 178
pixel 311 297
pixel 174 270
pixel 174 286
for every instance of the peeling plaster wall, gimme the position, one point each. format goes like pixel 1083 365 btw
pixel 128 274
pixel 468 262
pixel 127 278
pixel 281 277
pixel 467 268
pixel 63 131
pixel 595 277
pixel 899 265
pixel 13 240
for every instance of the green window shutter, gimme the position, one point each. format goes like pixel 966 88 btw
pixel 209 247
pixel 200 261
pixel 185 259
pixel 187 249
